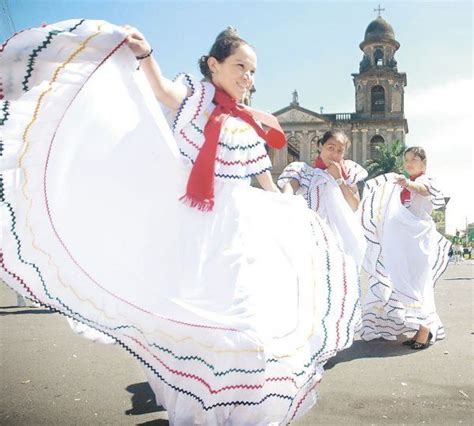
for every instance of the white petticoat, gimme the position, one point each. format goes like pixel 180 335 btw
pixel 233 313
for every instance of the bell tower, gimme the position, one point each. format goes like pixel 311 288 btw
pixel 379 92
pixel 379 87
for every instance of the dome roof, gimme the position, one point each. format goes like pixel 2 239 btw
pixel 379 30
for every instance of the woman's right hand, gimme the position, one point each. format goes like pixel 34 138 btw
pixel 334 169
pixel 136 41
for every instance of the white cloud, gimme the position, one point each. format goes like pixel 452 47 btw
pixel 440 119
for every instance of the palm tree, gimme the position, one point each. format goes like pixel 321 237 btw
pixel 388 159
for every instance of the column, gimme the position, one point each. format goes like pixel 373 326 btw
pixel 305 146
pixel 355 141
pixel 364 146
pixel 400 135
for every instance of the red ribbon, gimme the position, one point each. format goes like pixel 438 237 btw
pixel 200 187
pixel 405 195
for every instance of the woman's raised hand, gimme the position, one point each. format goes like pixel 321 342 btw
pixel 136 41
pixel 334 169
pixel 401 180
pixel 166 91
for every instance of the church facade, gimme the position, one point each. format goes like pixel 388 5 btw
pixel 379 107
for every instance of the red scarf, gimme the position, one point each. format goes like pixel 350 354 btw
pixel 200 187
pixel 405 195
pixel 320 164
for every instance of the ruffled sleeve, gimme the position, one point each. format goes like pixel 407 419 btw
pixel 436 196
pixel 241 152
pixel 299 171
pixel 194 105
pixel 355 172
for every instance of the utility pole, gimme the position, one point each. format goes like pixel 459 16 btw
pixel 7 26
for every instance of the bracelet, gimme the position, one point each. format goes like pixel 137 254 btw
pixel 146 55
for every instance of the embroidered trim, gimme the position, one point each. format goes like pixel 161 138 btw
pixel 6 113
pixel 185 101
pixel 230 176
pixel 240 147
pixel 34 54
pixel 241 163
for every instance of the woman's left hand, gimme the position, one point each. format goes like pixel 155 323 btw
pixel 136 41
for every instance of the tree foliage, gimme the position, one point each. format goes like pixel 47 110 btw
pixel 389 158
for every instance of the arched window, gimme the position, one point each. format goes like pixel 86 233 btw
pixel 378 57
pixel 378 99
pixel 376 141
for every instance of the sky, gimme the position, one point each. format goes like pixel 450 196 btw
pixel 313 47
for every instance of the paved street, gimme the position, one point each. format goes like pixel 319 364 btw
pixel 51 376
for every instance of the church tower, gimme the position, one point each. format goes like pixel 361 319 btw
pixel 379 118
pixel 379 87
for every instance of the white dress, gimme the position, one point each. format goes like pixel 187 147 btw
pixel 405 257
pixel 324 196
pixel 233 312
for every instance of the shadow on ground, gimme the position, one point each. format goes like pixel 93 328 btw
pixel 143 402
pixel 374 349
pixel 15 310
pixel 459 279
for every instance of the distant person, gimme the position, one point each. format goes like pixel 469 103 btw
pixel 451 254
pixel 457 248
pixel 469 252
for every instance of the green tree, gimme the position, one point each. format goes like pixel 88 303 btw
pixel 388 159
pixel 439 218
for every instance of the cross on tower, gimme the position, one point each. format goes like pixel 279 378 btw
pixel 379 10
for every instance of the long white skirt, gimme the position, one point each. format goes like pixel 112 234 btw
pixel 232 313
pixel 404 258
pixel 344 223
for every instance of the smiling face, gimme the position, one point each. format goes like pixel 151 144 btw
pixel 235 75
pixel 413 164
pixel 333 150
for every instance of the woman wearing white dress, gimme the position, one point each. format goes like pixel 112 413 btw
pixel 330 189
pixel 405 256
pixel 151 234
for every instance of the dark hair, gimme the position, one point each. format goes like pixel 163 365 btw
pixel 417 151
pixel 224 46
pixel 339 135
